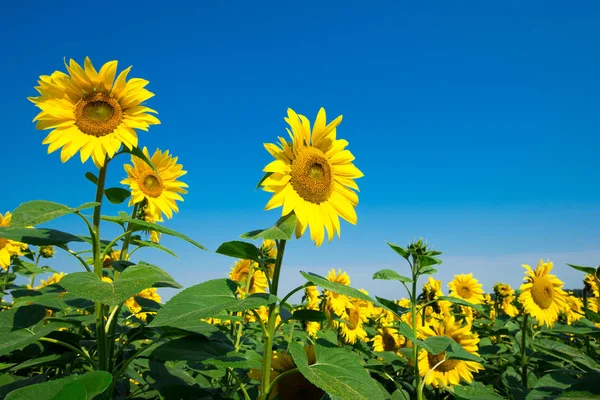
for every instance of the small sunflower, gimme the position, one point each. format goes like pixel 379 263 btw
pixel 335 301
pixel 591 284
pixel 54 278
pixel 508 307
pixel 355 314
pixel 313 176
pixel 503 290
pixel 239 273
pixel 432 288
pixel 268 249
pixel 387 339
pixel 90 112
pixel 159 189
pixel 574 310
pixel 9 248
pixel 541 294
pixel 136 309
pixel 154 218
pixel 450 372
pixel 466 287
pixel 46 251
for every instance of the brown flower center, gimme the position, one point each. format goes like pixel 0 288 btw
pixel 311 176
pixel 542 292
pixel 150 183
pixel 446 366
pixel 464 292
pixel 353 318
pixel 98 114
pixel 389 343
pixel 296 386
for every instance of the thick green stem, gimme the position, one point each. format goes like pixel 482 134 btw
pixel 74 349
pixel 413 296
pixel 100 333
pixel 4 282
pixel 524 351
pixel 128 232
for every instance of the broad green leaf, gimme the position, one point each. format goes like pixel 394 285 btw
pixel 338 372
pixel 139 225
pixel 91 177
pixel 132 281
pixel 584 388
pixel 309 315
pixel 206 300
pixel 145 243
pixel 339 288
pixel 56 359
pixel 427 261
pixel 587 270
pixel 197 348
pixel 117 195
pixel 427 271
pixel 550 385
pixel 22 326
pixel 239 249
pixel 37 212
pixel 400 394
pixel 565 352
pixel 575 330
pixel 80 387
pixel 283 230
pixel 476 391
pixel 400 250
pixel 38 237
pixel 462 302
pixel 391 275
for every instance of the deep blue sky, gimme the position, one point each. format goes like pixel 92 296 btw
pixel 476 124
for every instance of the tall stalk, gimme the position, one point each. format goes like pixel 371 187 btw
pixel 523 351
pixel 413 300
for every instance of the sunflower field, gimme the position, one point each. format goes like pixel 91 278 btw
pixel 104 332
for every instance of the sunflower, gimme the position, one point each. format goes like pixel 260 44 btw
pixel 136 309
pixel 258 281
pixel 503 290
pixel 111 258
pixel 591 284
pixel 355 314
pixel 91 112
pixel 154 218
pixel 432 289
pixel 449 372
pixel 508 307
pixel 466 287
pixel 335 301
pixel 541 294
pixel 9 248
pixel 313 176
pixel 293 386
pixel 46 251
pixel 54 278
pixel 574 310
pixel 387 339
pixel 159 189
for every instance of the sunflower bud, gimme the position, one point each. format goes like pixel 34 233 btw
pixel 46 251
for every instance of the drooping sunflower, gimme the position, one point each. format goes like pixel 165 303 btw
pixel 9 248
pixel 449 372
pixel 90 112
pixel 574 310
pixel 387 339
pixel 258 281
pixel 268 249
pixel 335 301
pixel 541 293
pixel 158 189
pixel 313 175
pixel 136 309
pixel 293 386
pixel 591 284
pixel 467 288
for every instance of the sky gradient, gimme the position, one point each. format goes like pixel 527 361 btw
pixel 476 125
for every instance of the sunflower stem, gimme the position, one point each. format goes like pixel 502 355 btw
pixel 100 333
pixel 128 232
pixel 523 351
pixel 587 339
pixel 413 298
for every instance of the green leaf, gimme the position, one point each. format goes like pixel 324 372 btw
pixel 198 348
pixel 338 372
pixel 587 270
pixel 283 230
pixel 206 300
pixel 91 177
pixel 139 225
pixel 476 391
pixel 38 237
pixel 400 250
pixel 427 261
pixel 144 243
pixel 265 176
pixel 136 151
pixel 309 315
pixel 565 353
pixel 550 385
pixel 239 249
pixel 37 212
pixel 80 387
pixel 132 281
pixel 391 275
pixel 22 326
pixel 117 195
pixel 341 289
pixel 462 302
pixel 575 330
pixel 400 394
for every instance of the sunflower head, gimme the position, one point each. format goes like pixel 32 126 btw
pixel 387 339
pixel 313 176
pixel 241 273
pixel 503 290
pixel 46 251
pixel 9 248
pixel 466 287
pixel 541 294
pixel 54 278
pixel 90 112
pixel 591 285
pixel 136 309
pixel 432 289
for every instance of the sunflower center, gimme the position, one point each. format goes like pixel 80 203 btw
pixel 465 292
pixel 311 176
pixel 389 343
pixel 98 114
pixel 542 292
pixel 3 243
pixel 353 318
pixel 150 183
pixel 446 366
pixel 296 386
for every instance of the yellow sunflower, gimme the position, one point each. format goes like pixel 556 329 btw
pixel 450 372
pixel 293 386
pixel 91 112
pixel 239 273
pixel 313 176
pixel 574 310
pixel 159 189
pixel 387 339
pixel 541 294
pixel 508 307
pixel 268 249
pixel 136 309
pixel 466 287
pixel 154 218
pixel 591 284
pixel 54 278
pixel 9 248
pixel 503 290
pixel 335 301
pixel 355 314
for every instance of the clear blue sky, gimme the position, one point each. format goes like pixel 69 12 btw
pixel 476 124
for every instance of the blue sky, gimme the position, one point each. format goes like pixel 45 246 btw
pixel 475 123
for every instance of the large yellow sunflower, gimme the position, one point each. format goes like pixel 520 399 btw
pixel 158 189
pixel 466 287
pixel 449 372
pixel 313 176
pixel 9 248
pixel 91 112
pixel 541 294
